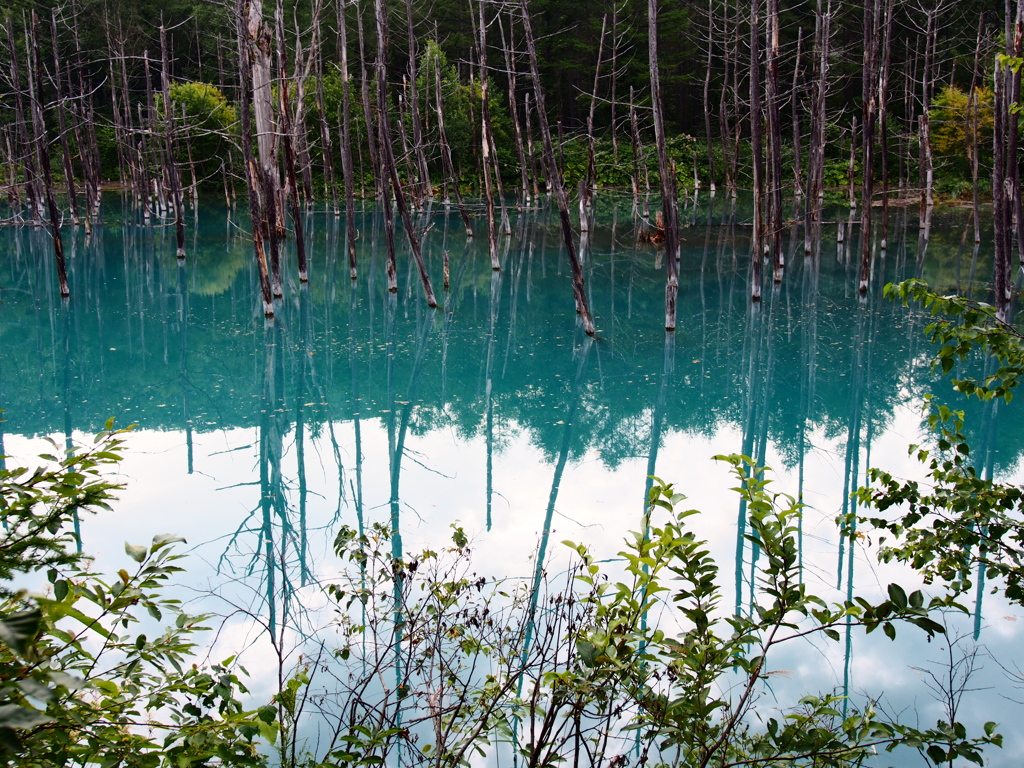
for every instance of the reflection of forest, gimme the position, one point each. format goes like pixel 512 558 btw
pixel 485 370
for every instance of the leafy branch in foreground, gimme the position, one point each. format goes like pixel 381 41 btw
pixel 696 692
pixel 440 665
pixel 957 519
pixel 80 682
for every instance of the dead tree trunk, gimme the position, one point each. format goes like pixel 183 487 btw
pixel 774 143
pixel 485 139
pixel 172 166
pixel 346 142
pixel 252 173
pixel 260 46
pixel 816 157
pixel 289 151
pixel 371 138
pixel 927 171
pixel 35 74
pixel 665 171
pixel 591 186
pixel 425 189
pixel 794 105
pixel 707 99
pixel 555 176
pixel 58 80
pixel 513 107
pixel 883 115
pixel 446 152
pixel 870 86
pixel 388 155
pixel 757 151
pixel 26 151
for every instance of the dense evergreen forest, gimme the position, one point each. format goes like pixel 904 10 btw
pixel 498 99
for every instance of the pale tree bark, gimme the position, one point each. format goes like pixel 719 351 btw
pixel 757 151
pixel 287 137
pixel 58 79
pixel 252 174
pixel 665 171
pixel 387 154
pixel 591 185
pixel 555 177
pixel 424 188
pixel 774 143
pixel 871 83
pixel 346 142
pixel 446 152
pixel 260 47
pixel 171 165
pixel 35 78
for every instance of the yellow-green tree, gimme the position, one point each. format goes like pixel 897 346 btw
pixel 960 123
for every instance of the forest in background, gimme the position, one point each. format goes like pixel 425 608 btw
pixel 501 98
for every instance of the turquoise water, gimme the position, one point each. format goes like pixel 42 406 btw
pixel 256 439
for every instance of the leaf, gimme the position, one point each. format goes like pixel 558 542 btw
pixel 163 539
pixel 18 629
pixel 898 596
pixel 13 716
pixel 136 552
pixel 937 754
pixel 35 689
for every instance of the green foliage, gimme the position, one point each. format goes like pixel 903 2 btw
pixel 440 664
pixel 80 682
pixel 954 138
pixel 959 519
pixel 207 123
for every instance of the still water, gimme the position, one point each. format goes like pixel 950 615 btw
pixel 257 439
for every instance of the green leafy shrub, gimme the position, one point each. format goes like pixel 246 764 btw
pixel 80 683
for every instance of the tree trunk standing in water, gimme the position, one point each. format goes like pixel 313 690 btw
pixel 1013 140
pixel 927 171
pixel 883 114
pixel 35 83
pixel 634 133
pixel 388 155
pixel 870 85
pixel 151 192
pixel 88 146
pixel 972 131
pixel 513 107
pixel 774 143
pixel 364 87
pixel 591 185
pixel 446 152
pixel 485 139
pixel 1000 206
pixel 816 159
pixel 555 176
pixel 172 166
pixel 58 80
pixel 851 166
pixel 289 151
pixel 665 170
pixel 794 106
pixel 346 143
pixel 326 146
pixel 27 153
pixel 259 47
pixel 757 150
pixel 425 189
pixel 707 99
pixel 252 174
pixel 615 81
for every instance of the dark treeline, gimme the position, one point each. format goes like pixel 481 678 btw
pixel 289 103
